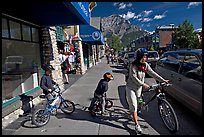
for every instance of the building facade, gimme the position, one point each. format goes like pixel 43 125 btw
pixel 30 38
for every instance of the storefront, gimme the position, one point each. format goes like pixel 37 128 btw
pixel 29 40
pixel 91 38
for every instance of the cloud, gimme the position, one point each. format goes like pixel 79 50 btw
pixel 115 3
pixel 160 16
pixel 147 12
pixel 129 15
pixel 129 5
pixel 146 20
pixel 142 15
pixel 122 5
pixel 193 4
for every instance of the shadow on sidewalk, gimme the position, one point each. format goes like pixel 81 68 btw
pixel 116 114
pixel 122 96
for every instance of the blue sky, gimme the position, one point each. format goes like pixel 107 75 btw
pixel 149 15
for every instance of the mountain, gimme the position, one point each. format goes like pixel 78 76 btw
pixel 115 24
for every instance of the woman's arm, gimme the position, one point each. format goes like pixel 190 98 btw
pixel 152 73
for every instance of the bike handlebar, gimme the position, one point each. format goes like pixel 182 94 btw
pixel 161 84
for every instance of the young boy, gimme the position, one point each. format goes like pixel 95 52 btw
pixel 46 82
pixel 100 91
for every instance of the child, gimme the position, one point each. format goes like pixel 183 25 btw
pixel 46 82
pixel 100 91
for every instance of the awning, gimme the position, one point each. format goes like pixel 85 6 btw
pixel 49 13
pixel 91 35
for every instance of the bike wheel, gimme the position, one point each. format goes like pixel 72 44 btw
pixel 108 104
pixel 67 106
pixel 168 115
pixel 96 109
pixel 40 117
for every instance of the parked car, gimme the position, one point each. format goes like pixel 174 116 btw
pixel 128 58
pixel 184 68
pixel 120 57
pixel 153 57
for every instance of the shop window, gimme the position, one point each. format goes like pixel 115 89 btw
pixel 21 68
pixel 4 31
pixel 26 32
pixel 15 30
pixel 35 36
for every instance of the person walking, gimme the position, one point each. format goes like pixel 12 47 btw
pixel 64 62
pixel 135 83
pixel 107 58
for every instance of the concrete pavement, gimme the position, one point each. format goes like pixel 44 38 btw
pixel 81 122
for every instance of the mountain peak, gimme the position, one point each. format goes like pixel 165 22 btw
pixel 116 24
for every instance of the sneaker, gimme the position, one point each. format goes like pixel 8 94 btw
pixel 138 129
pixel 105 113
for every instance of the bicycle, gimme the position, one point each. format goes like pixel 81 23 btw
pixel 41 116
pixel 166 111
pixel 97 107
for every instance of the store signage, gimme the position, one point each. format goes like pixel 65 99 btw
pixel 83 9
pixel 96 35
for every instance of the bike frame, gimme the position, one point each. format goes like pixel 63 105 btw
pixel 51 107
pixel 156 95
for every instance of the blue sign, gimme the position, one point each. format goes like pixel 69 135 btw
pixel 91 35
pixel 83 9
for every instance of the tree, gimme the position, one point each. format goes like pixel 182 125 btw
pixel 185 37
pixel 115 43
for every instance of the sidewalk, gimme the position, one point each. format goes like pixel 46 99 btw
pixel 81 122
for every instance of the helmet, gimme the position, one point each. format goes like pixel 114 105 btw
pixel 142 52
pixel 47 67
pixel 108 76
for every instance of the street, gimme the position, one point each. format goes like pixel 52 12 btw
pixel 118 122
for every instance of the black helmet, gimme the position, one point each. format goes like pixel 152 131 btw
pixel 108 76
pixel 47 67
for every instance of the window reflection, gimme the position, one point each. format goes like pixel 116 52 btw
pixel 26 32
pixel 4 31
pixel 15 30
pixel 35 37
pixel 20 67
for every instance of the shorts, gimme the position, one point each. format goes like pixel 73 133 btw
pixel 132 96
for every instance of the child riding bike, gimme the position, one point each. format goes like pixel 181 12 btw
pixel 46 83
pixel 101 90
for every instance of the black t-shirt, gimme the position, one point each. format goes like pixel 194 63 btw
pixel 102 87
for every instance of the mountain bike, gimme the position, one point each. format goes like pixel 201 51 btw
pixel 97 107
pixel 41 116
pixel 166 111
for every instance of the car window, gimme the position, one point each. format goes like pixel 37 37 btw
pixel 131 55
pixel 152 55
pixel 171 61
pixel 191 67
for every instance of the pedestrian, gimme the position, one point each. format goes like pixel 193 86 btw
pixel 112 58
pixel 107 57
pixel 135 83
pixel 101 90
pixel 46 82
pixel 64 63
